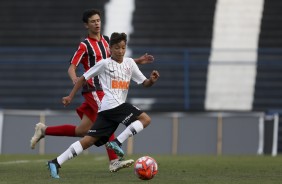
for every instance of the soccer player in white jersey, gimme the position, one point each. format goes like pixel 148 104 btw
pixel 114 74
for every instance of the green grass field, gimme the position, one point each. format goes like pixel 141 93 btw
pixel 172 170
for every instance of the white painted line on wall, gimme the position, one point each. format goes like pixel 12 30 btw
pixel 261 135
pixel 232 69
pixel 1 129
pixel 275 135
pixel 119 15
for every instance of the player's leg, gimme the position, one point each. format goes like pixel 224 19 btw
pixel 39 133
pixel 115 163
pixel 135 125
pixel 93 100
pixel 87 112
pixel 74 150
pixel 41 130
pixel 98 135
pixel 134 128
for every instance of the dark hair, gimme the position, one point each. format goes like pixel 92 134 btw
pixel 89 13
pixel 117 38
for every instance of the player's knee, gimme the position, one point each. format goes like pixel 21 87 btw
pixel 148 121
pixel 80 131
pixel 145 119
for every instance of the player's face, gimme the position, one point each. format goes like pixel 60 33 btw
pixel 94 24
pixel 118 51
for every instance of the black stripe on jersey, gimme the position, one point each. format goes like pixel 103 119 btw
pixel 97 84
pixel 102 49
pixel 91 55
pixel 92 60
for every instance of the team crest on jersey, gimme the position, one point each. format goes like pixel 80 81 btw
pixel 127 71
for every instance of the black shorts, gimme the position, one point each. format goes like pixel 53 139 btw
pixel 108 121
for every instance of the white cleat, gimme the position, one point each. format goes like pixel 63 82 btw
pixel 38 134
pixel 116 165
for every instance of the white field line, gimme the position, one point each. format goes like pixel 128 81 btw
pixel 100 158
pixel 20 162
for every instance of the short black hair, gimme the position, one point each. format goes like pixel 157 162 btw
pixel 117 37
pixel 89 13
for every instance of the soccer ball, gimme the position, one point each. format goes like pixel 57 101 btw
pixel 145 168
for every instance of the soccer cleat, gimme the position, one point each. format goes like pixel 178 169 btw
pixel 38 134
pixel 116 165
pixel 54 169
pixel 114 146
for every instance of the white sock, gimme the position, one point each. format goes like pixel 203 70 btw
pixel 74 150
pixel 132 129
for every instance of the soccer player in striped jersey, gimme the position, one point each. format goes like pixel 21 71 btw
pixel 90 51
pixel 114 74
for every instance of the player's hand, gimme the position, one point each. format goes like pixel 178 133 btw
pixel 145 59
pixel 154 76
pixel 66 100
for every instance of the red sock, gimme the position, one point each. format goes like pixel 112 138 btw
pixel 111 154
pixel 62 130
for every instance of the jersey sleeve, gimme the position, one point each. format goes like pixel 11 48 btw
pixel 137 75
pixel 78 54
pixel 97 69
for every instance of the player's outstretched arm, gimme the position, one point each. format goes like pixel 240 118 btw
pixel 67 99
pixel 145 59
pixel 153 78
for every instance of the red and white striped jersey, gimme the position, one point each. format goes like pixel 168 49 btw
pixel 115 80
pixel 89 52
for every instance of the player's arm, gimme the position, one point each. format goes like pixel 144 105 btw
pixel 67 99
pixel 76 59
pixel 138 76
pixel 72 73
pixel 92 72
pixel 145 59
pixel 153 78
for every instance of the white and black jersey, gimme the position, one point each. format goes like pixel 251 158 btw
pixel 115 80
